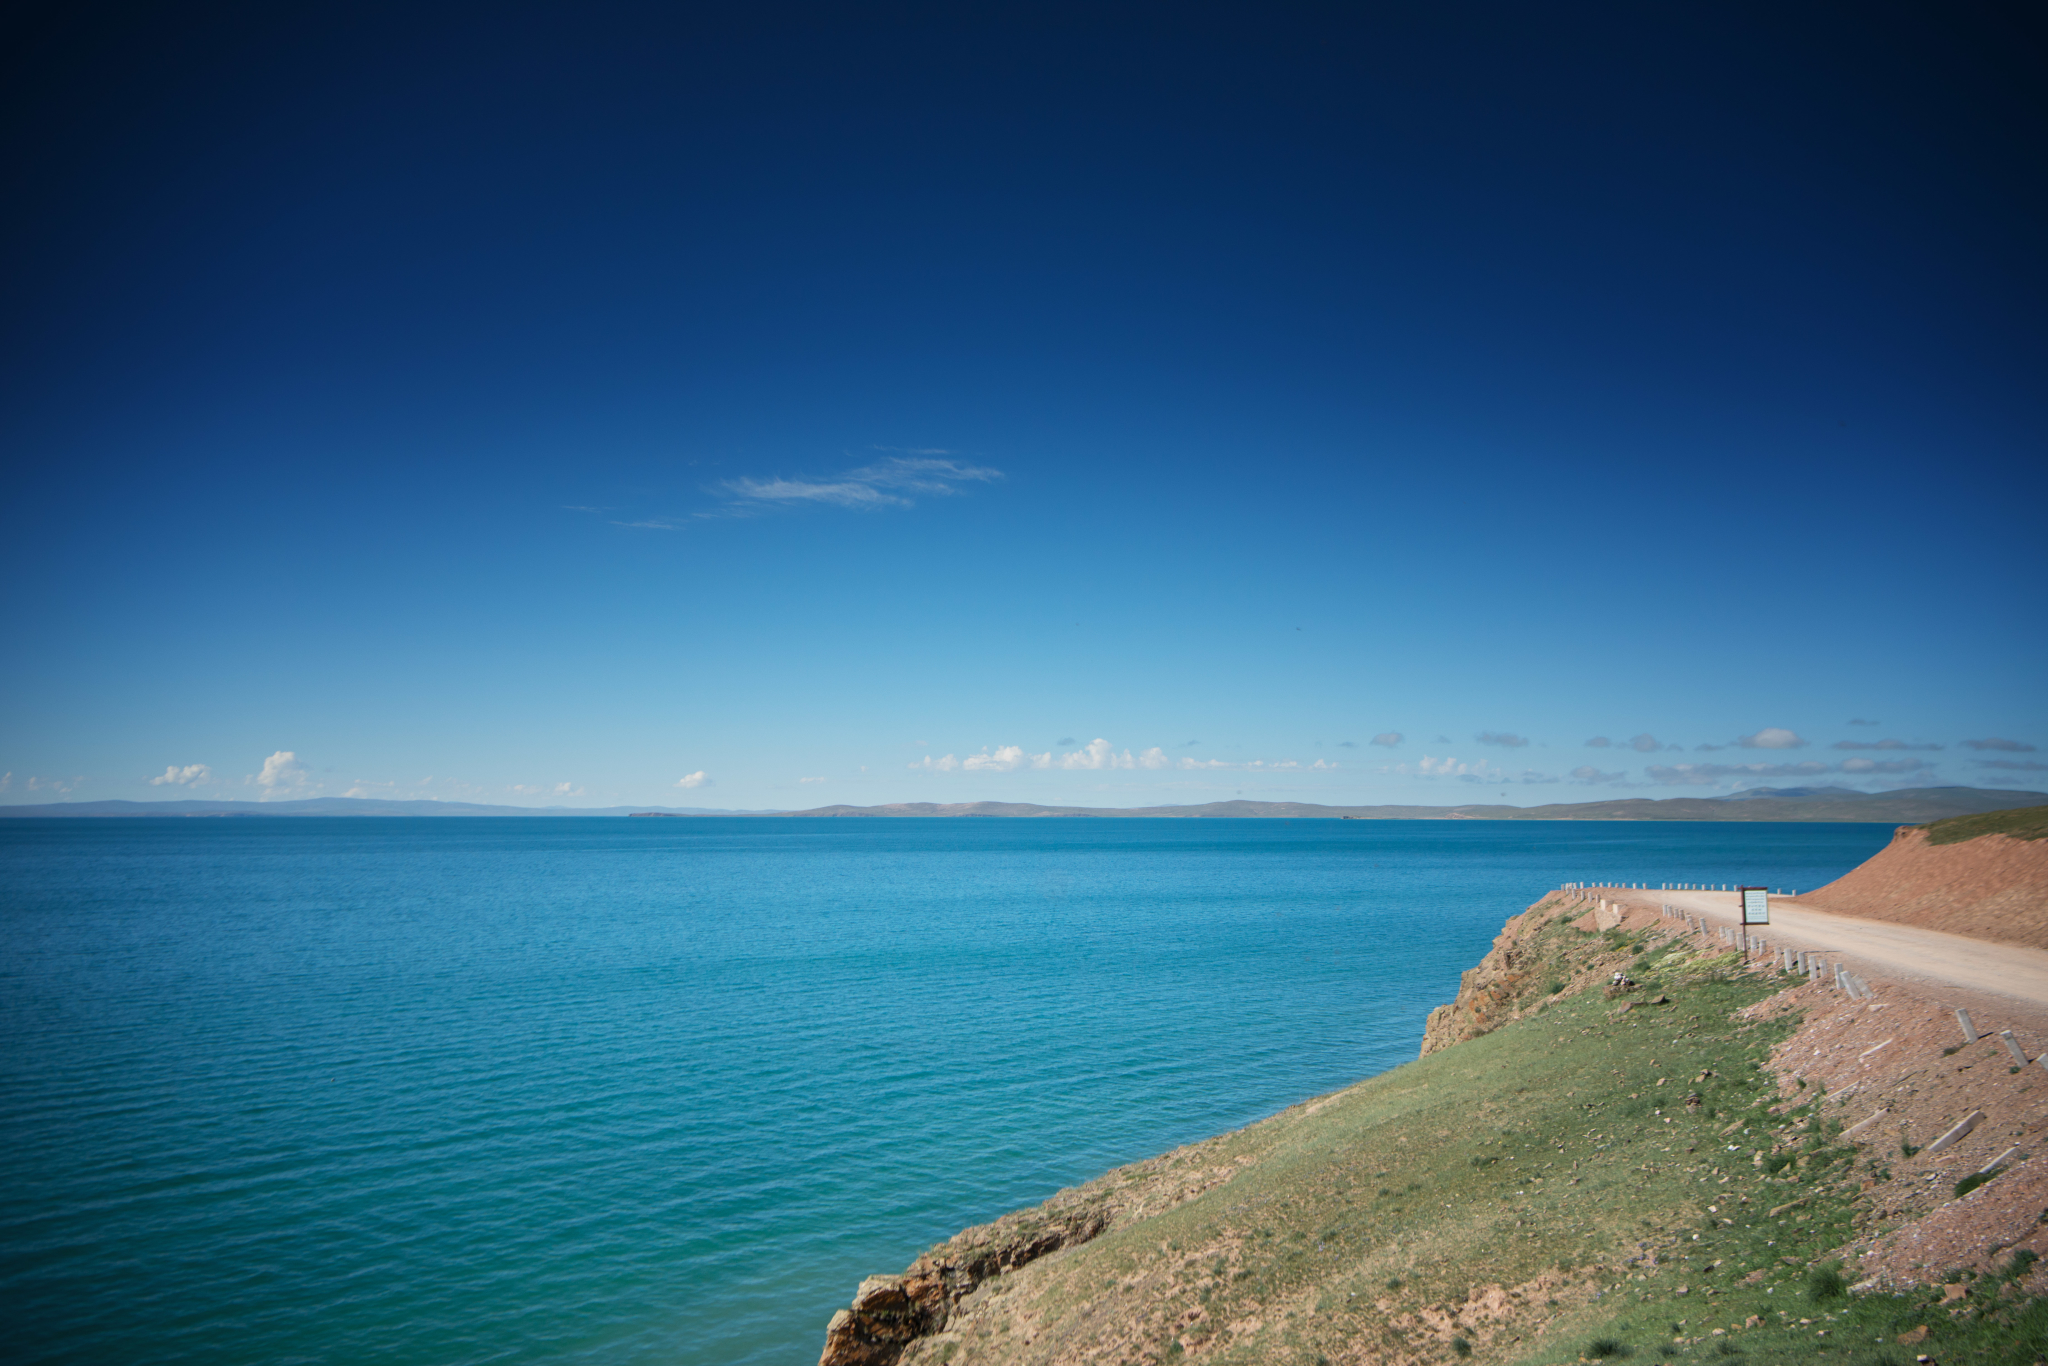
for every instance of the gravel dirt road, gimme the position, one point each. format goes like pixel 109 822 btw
pixel 1877 947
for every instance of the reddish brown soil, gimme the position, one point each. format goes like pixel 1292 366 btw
pixel 1900 1057
pixel 1993 887
pixel 1899 1060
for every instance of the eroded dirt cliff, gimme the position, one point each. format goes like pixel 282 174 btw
pixel 1993 887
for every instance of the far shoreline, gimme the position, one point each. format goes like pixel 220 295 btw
pixel 1908 806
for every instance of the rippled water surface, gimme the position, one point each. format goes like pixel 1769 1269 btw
pixel 626 1091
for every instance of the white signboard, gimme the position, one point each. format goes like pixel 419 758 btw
pixel 1756 906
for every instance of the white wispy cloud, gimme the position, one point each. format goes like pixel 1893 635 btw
pixel 849 493
pixel 1388 738
pixel 697 779
pixel 1993 742
pixel 1450 767
pixel 1885 766
pixel 1097 754
pixel 1641 744
pixel 191 775
pixel 282 775
pixel 1771 737
pixel 1007 759
pixel 898 480
pixel 895 482
pixel 1713 775
pixel 810 780
pixel 1256 765
pixel 1505 739
pixel 1878 744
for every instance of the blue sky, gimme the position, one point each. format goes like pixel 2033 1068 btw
pixel 558 404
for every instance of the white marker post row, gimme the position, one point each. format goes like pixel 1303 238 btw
pixel 1819 969
pixel 1805 961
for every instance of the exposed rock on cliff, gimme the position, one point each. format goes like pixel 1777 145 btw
pixel 1518 973
pixel 1584 1169
pixel 891 1312
pixel 1488 993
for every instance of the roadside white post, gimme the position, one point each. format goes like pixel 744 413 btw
pixel 1969 1030
pixel 2012 1046
pixel 1999 1161
pixel 1956 1135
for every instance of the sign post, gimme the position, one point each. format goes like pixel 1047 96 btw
pixel 1756 905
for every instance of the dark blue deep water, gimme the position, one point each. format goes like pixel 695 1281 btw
pixel 624 1091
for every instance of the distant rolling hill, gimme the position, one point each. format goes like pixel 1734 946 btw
pixel 1910 806
pixel 344 806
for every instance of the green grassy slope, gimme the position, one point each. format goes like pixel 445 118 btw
pixel 2026 823
pixel 1539 1195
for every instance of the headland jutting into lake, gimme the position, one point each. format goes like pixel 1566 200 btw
pixel 1737 1152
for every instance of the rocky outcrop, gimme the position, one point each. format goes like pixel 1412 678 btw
pixel 889 1313
pixel 1491 993
pixel 1992 887
pixel 1386 1183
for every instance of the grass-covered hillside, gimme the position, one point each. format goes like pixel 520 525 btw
pixel 1601 1178
pixel 2026 823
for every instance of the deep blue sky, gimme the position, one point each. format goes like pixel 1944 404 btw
pixel 500 402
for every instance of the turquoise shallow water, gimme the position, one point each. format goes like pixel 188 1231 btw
pixel 636 1091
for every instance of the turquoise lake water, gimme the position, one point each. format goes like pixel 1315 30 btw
pixel 639 1091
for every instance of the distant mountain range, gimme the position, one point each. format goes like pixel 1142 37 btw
pixel 1909 806
pixel 1752 794
pixel 350 806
